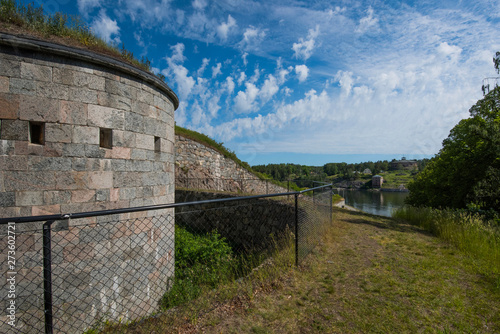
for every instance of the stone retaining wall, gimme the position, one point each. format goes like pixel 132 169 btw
pixel 200 167
pixel 248 225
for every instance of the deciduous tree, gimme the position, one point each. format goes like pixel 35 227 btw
pixel 466 171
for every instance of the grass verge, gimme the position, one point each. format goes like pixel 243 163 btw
pixel 374 275
pixel 371 274
pixel 470 233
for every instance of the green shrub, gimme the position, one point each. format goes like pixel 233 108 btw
pixel 201 262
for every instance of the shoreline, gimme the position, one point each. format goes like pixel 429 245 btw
pixel 342 205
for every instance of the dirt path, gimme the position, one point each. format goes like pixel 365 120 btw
pixel 371 275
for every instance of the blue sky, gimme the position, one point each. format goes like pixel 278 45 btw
pixel 315 81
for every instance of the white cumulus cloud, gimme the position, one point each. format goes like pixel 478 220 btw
pixel 229 85
pixel 302 72
pixel 199 4
pixel 269 88
pixel 252 38
pixel 244 101
pixel 204 65
pixel 242 78
pixel 451 51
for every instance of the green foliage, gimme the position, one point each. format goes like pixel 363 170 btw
pixel 212 250
pixel 291 171
pixel 496 61
pixel 336 198
pixel 467 169
pixel 320 173
pixel 58 24
pixel 201 262
pixel 393 179
pixel 469 232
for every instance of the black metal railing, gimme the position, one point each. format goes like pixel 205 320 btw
pixel 72 273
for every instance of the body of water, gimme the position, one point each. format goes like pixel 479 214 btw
pixel 374 202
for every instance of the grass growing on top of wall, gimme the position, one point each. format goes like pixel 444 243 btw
pixel 29 19
pixel 219 147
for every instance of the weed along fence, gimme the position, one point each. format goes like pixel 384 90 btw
pixel 76 273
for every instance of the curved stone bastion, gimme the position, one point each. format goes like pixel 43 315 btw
pixel 84 132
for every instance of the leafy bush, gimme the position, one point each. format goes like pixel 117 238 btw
pixel 201 261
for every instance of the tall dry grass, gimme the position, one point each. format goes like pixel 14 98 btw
pixel 471 233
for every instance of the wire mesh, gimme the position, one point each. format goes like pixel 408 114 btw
pixel 23 271
pixel 121 268
pixel 314 214
pixel 103 269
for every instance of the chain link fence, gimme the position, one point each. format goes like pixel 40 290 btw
pixel 76 273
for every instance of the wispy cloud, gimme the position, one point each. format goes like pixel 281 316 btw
pixel 252 38
pixel 216 70
pixel 178 73
pixel 199 4
pixel 203 66
pixel 106 28
pixel 224 28
pixel 86 6
pixel 304 48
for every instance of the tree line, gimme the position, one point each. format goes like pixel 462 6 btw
pixel 340 169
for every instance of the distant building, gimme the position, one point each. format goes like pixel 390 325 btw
pixel 403 164
pixel 377 181
pixel 367 171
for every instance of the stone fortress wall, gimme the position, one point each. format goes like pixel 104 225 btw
pixel 85 132
pixel 198 166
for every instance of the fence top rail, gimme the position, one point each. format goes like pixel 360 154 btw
pixel 56 217
pixel 315 188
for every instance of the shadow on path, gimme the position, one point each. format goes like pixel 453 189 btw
pixel 382 222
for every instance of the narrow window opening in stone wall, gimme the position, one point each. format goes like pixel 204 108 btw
pixel 157 144
pixel 105 138
pixel 37 133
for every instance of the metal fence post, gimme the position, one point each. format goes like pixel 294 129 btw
pixel 47 277
pixel 296 230
pixel 331 204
